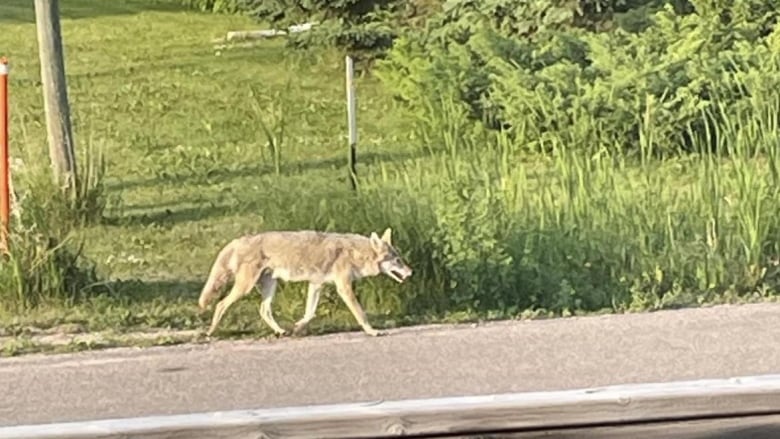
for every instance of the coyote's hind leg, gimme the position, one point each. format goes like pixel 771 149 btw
pixel 245 279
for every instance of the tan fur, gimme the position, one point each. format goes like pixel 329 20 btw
pixel 316 257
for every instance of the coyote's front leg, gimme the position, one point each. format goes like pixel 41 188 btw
pixel 344 289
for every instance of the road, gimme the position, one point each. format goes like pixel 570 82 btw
pixel 419 362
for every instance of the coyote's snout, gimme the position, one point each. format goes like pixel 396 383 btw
pixel 393 266
pixel 316 257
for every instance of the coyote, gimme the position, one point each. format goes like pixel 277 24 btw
pixel 306 255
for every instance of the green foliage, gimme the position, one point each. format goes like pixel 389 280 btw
pixel 365 27
pixel 584 232
pixel 471 242
pixel 217 6
pixel 44 264
pixel 539 77
pixel 601 102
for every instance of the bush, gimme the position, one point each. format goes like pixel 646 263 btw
pixel 44 264
pixel 365 28
pixel 615 89
pixel 362 27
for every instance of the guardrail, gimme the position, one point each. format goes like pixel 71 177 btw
pixel 742 407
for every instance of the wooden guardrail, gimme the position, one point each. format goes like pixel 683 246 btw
pixel 743 407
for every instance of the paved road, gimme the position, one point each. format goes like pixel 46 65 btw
pixel 414 362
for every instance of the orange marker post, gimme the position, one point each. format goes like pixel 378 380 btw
pixel 5 196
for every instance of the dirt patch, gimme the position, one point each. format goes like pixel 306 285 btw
pixel 74 337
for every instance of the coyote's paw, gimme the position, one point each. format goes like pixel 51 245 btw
pixel 374 332
pixel 280 334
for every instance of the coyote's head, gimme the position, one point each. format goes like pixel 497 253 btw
pixel 388 259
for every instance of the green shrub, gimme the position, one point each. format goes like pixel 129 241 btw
pixel 633 88
pixel 365 28
pixel 44 265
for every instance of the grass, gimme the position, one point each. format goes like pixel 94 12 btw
pixel 188 161
pixel 203 144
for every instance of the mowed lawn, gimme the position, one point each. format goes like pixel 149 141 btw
pixel 179 120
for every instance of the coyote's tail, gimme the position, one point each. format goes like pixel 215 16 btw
pixel 218 275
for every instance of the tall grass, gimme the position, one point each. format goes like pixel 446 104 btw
pixel 44 264
pixel 571 230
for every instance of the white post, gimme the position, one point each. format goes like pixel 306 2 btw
pixel 352 122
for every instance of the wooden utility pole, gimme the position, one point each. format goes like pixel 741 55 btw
pixel 351 121
pixel 55 92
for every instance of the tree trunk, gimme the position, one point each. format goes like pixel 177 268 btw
pixel 55 92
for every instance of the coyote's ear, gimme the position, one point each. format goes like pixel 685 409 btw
pixel 386 236
pixel 376 242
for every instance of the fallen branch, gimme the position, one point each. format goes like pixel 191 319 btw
pixel 267 33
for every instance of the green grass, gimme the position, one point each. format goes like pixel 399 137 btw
pixel 187 162
pixel 491 232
